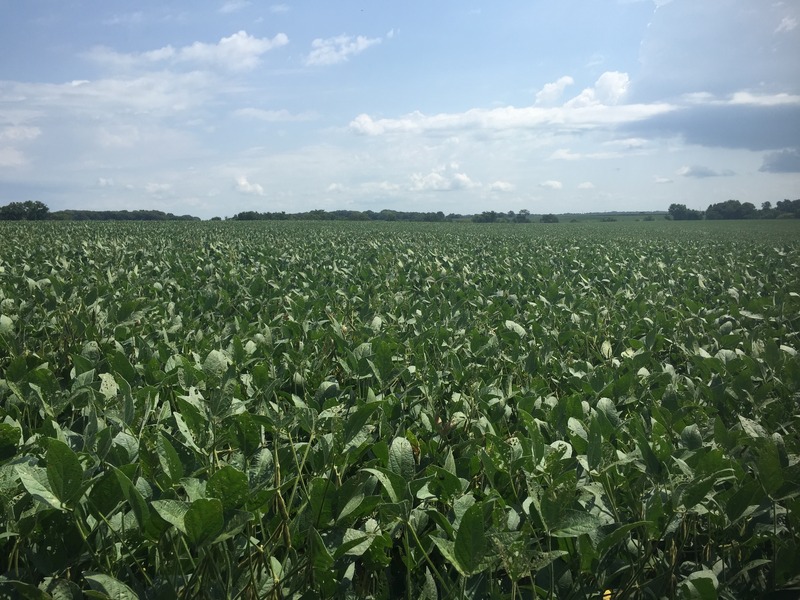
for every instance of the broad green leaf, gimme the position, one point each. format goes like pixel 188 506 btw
pixel 9 439
pixel 64 472
pixel 770 472
pixel 231 486
pixel 173 512
pixel 123 366
pixel 394 484
pixel 113 588
pixel 168 459
pixel 34 480
pixel 203 520
pixel 401 458
pixel 516 328
pixel 470 543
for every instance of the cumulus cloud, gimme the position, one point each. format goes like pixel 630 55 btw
pixel 104 182
pixel 552 184
pixel 273 116
pixel 238 52
pixel 701 172
pixel 246 187
pixel 552 92
pixel 586 185
pixel 339 49
pixel 662 180
pixel 501 186
pixel 442 179
pixel 609 89
pixel 782 161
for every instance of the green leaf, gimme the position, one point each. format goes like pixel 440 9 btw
pixel 123 366
pixel 516 328
pixel 357 420
pixel 394 484
pixel 113 588
pixel 231 486
pixel 574 523
pixel 168 459
pixel 691 438
pixel 173 512
pixel 64 472
pixel 770 472
pixel 700 585
pixel 470 544
pixel 105 495
pixel 35 481
pixel 594 449
pixel 401 458
pixel 203 520
pixel 9 439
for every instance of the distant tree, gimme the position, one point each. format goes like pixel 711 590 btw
pixel 548 218
pixel 731 209
pixel 788 209
pixel 30 210
pixel 485 217
pixel 523 216
pixel 679 212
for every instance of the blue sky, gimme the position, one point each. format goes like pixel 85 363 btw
pixel 215 107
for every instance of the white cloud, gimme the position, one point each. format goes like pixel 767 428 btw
pixel 498 119
pixel 133 18
pixel 336 188
pixel 552 184
pixel 748 98
pixel 586 185
pixel 566 154
pixel 273 116
pixel 334 50
pixel 501 186
pixel 19 133
pixel 787 24
pixel 662 180
pixel 238 52
pixel 104 182
pixel 11 157
pixel 151 94
pixel 443 179
pixel 279 8
pixel 552 92
pixel 232 6
pixel 158 189
pixel 609 89
pixel 701 172
pixel 246 187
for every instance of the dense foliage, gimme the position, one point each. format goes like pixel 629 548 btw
pixel 305 410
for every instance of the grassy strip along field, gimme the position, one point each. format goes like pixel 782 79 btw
pixel 305 410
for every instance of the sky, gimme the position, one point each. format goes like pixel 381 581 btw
pixel 213 107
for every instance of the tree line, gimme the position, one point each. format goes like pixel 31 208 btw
pixel 734 209
pixel 34 210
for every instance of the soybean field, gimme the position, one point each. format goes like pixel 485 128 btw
pixel 297 410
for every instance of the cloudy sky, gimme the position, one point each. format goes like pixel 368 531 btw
pixel 215 107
